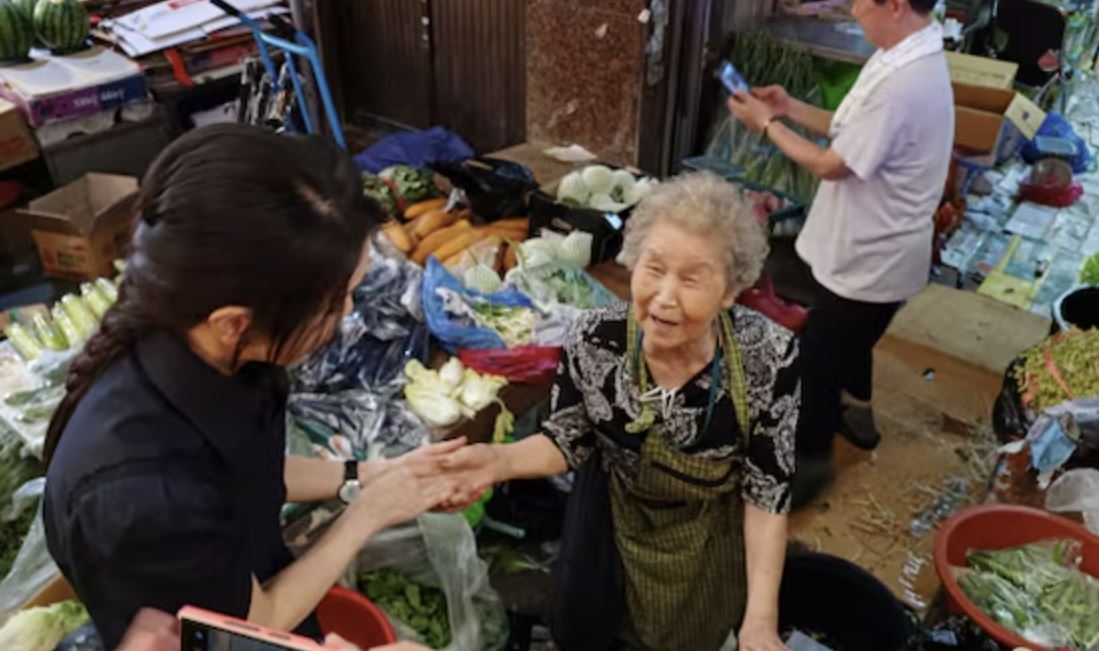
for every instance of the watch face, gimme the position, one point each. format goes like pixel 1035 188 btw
pixel 350 490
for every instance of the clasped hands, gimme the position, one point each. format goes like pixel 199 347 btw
pixel 448 476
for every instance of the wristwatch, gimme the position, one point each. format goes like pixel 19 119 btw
pixel 351 485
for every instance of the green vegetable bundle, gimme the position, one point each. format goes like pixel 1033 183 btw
pixel 379 191
pixel 1036 591
pixel 763 61
pixel 1074 355
pixel 72 320
pixel 1089 273
pixel 420 607
pixel 411 183
pixel 15 470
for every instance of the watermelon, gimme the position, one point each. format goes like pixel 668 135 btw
pixel 61 24
pixel 16 33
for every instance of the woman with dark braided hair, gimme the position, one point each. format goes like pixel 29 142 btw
pixel 166 466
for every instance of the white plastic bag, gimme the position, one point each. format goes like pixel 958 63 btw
pixel 33 568
pixel 1077 490
pixel 439 550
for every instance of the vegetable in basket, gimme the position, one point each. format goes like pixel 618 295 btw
pixel 42 628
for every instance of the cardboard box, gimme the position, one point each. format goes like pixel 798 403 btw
pixel 81 228
pixel 990 117
pixel 17 145
pixel 54 88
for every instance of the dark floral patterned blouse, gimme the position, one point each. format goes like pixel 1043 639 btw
pixel 595 395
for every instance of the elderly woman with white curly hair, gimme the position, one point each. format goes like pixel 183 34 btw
pixel 678 412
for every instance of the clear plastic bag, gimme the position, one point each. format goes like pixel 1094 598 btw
pixel 375 341
pixel 33 568
pixel 440 551
pixel 357 424
pixel 1077 490
pixel 555 283
pixel 1037 591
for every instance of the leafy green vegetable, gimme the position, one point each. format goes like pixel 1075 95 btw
pixel 1089 273
pixel 16 469
pixel 378 190
pixel 412 184
pixel 1036 588
pixel 41 629
pixel 421 607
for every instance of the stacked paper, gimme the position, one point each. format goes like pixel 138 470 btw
pixel 177 22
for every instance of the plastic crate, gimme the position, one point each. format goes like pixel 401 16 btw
pixel 732 173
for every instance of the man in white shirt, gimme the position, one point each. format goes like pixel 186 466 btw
pixel 868 236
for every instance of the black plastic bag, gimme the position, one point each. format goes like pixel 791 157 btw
pixel 1009 416
pixel 496 188
pixel 957 633
pixel 590 599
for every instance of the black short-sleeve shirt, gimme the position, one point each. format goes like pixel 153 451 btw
pixel 166 487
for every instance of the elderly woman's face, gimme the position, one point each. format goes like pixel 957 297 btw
pixel 679 286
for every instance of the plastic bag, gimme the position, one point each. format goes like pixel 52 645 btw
pixel 1057 126
pixel 1036 591
pixel 496 188
pixel 34 567
pixel 1077 490
pixel 418 148
pixel 375 341
pixel 1009 415
pixel 356 424
pixel 439 550
pixel 522 364
pixel 556 282
pixel 456 331
pixel 958 633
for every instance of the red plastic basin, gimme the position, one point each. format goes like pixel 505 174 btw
pixel 998 526
pixel 354 618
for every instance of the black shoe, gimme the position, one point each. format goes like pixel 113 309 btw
pixel 812 475
pixel 857 426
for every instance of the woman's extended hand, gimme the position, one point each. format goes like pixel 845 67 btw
pixel 397 495
pixel 425 461
pixel 753 113
pixel 474 469
pixel 759 634
pixel 776 99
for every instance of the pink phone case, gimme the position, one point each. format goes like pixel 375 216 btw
pixel 241 628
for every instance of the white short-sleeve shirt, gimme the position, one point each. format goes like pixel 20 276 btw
pixel 868 236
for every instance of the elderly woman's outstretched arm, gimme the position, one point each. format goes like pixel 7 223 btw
pixel 765 548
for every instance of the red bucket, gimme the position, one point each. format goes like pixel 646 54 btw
pixel 999 526
pixel 354 618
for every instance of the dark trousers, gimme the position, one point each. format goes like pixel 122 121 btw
pixel 837 354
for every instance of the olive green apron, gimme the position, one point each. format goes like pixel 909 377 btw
pixel 679 526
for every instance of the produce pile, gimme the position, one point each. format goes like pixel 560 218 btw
pixel 399 186
pixel 42 628
pixel 74 320
pixel 600 188
pixel 16 468
pixel 442 398
pixel 1064 367
pixel 1037 592
pixel 763 61
pixel 61 25
pixel 420 607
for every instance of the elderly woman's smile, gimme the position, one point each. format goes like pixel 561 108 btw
pixel 679 288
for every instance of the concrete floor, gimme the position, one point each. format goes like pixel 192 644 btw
pixel 936 376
